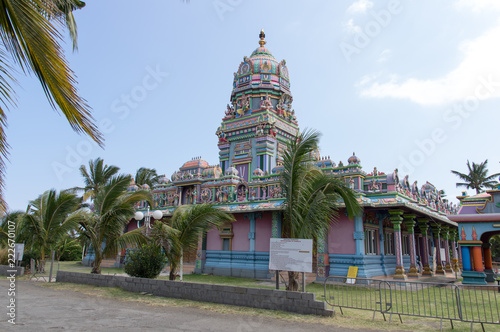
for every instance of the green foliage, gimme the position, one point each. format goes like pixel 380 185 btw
pixel 312 197
pixel 96 177
pixel 69 249
pixel 145 262
pixel 31 40
pixel 495 247
pixel 113 208
pixel 4 256
pixel 184 229
pixel 146 176
pixel 48 220
pixel 477 178
pixel 28 255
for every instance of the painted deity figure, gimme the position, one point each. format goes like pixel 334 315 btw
pixel 351 183
pixel 244 105
pixel 194 195
pixel 221 135
pixel 264 193
pixel 259 131
pixel 219 195
pixel 252 194
pixel 266 102
pixel 374 186
pixel 230 111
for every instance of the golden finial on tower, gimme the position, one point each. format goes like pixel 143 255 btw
pixel 262 35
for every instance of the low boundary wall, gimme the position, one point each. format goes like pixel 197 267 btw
pixel 302 303
pixel 5 270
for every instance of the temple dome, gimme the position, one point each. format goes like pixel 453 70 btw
pixel 354 160
pixel 261 70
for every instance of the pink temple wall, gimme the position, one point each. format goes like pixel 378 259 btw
pixel 340 237
pixel 263 231
pixel 214 242
pixel 241 227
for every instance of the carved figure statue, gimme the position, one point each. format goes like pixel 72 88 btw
pixel 230 111
pixel 259 131
pixel 219 195
pixel 266 102
pixel 244 104
pixel 351 183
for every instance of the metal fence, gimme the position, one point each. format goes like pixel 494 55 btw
pixel 445 301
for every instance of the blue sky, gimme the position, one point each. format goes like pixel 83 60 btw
pixel 412 85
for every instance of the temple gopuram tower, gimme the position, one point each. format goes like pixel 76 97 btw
pixel 260 119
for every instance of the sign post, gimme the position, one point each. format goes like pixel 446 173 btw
pixel 291 255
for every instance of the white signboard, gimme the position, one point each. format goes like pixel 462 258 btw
pixel 19 250
pixel 291 255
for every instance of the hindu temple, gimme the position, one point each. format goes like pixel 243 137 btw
pixel 403 232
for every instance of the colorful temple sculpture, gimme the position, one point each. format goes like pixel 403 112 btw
pixel 478 220
pixel 403 232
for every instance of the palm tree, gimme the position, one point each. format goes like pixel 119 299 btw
pixel 32 42
pixel 146 176
pixel 311 197
pixel 184 229
pixel 104 225
pixel 10 217
pixel 96 177
pixel 477 177
pixel 48 220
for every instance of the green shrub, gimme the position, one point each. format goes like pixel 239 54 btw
pixel 145 262
pixel 4 255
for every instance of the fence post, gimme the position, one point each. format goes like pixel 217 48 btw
pixel 459 303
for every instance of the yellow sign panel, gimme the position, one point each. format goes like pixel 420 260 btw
pixel 351 274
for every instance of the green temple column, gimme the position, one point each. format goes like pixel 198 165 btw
pixel 396 220
pixel 409 221
pixel 436 230
pixel 423 225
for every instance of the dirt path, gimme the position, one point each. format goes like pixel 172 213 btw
pixel 41 309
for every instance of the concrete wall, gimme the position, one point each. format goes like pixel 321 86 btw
pixel 302 303
pixel 5 268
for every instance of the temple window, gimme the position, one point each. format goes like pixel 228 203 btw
pixel 389 242
pixel 405 244
pixel 371 236
pixel 226 234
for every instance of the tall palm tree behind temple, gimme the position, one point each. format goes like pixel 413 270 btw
pixel 477 178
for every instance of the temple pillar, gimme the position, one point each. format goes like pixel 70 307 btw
pixel 423 225
pixel 466 261
pixel 409 220
pixel 396 220
pixel 445 231
pixel 478 259
pixel 359 235
pixel 322 259
pixel 488 263
pixel 436 229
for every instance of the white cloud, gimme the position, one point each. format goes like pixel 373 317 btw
pixel 352 28
pixel 385 55
pixel 478 5
pixel 360 6
pixel 480 61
